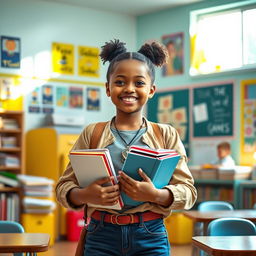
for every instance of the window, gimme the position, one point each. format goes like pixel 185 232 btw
pixel 223 38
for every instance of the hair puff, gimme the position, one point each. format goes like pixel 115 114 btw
pixel 156 52
pixel 111 49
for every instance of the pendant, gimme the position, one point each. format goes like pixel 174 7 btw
pixel 125 153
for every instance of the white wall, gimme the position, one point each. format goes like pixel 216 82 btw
pixel 39 23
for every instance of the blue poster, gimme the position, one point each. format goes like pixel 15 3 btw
pixel 10 52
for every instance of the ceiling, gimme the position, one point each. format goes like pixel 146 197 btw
pixel 129 7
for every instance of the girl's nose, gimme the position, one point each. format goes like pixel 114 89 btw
pixel 129 87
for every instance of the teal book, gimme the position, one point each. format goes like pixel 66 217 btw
pixel 159 165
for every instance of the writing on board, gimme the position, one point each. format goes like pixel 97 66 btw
pixel 213 111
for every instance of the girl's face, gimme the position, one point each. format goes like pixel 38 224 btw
pixel 130 86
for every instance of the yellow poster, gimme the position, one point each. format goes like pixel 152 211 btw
pixel 63 58
pixel 88 61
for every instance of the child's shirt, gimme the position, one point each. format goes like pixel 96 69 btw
pixel 227 162
pixel 181 184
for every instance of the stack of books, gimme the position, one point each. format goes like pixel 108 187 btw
pixel 8 123
pixel 9 160
pixel 8 179
pixel 92 164
pixel 38 192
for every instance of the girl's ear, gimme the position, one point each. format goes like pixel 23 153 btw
pixel 107 89
pixel 152 91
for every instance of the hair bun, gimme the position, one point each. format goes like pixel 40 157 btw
pixel 111 49
pixel 156 52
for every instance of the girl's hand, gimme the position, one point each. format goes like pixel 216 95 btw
pixel 139 190
pixel 97 193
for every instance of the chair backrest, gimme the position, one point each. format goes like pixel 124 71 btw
pixel 11 227
pixel 231 227
pixel 214 206
pixel 254 206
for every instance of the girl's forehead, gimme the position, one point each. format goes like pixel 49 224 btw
pixel 131 65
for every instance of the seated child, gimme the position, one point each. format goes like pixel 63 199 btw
pixel 224 157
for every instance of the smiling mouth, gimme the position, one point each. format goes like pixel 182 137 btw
pixel 129 99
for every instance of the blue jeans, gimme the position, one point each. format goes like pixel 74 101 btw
pixel 140 239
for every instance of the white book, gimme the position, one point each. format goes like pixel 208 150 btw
pixel 90 165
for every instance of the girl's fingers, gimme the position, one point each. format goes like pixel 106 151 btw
pixel 126 178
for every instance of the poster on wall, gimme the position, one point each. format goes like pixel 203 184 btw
pixel 61 96
pixel 10 52
pixel 248 121
pixel 172 107
pixel 33 101
pixel 93 99
pixel 175 46
pixel 47 99
pixel 76 97
pixel 63 58
pixel 88 61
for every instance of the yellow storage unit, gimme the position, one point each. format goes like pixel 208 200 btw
pixel 179 228
pixel 47 155
pixel 39 223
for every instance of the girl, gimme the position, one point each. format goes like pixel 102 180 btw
pixel 139 230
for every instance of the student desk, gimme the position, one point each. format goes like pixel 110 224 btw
pixel 226 245
pixel 24 242
pixel 207 217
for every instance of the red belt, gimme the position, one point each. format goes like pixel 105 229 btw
pixel 125 219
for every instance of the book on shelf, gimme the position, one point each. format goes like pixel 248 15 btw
pixel 8 123
pixel 91 165
pixel 30 180
pixel 9 160
pixel 158 165
pixel 9 181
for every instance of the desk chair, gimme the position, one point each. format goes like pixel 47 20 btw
pixel 11 227
pixel 215 206
pixel 231 227
pixel 211 206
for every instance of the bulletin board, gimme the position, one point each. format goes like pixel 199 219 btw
pixel 213 111
pixel 172 107
pixel 248 122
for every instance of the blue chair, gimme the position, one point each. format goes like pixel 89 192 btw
pixel 254 206
pixel 214 206
pixel 210 206
pixel 11 227
pixel 231 227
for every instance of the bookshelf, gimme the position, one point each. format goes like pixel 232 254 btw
pixel 218 190
pixel 11 160
pixel 247 194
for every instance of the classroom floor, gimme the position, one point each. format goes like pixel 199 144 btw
pixel 64 248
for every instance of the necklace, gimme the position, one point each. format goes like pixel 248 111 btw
pixel 127 145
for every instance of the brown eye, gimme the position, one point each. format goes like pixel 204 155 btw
pixel 119 82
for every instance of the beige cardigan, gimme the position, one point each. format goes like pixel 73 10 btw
pixel 181 184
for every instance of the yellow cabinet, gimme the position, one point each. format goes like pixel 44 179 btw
pixel 39 223
pixel 47 155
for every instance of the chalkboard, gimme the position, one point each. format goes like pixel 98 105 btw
pixel 213 110
pixel 172 107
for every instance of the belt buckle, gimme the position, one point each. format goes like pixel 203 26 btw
pixel 114 219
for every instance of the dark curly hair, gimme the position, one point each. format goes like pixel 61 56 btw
pixel 152 54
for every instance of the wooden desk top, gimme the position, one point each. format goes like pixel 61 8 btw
pixel 24 242
pixel 199 216
pixel 226 245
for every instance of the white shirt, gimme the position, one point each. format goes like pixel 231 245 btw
pixel 227 161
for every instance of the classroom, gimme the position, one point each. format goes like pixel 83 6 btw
pixel 55 81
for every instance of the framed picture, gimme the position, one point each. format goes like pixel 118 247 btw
pixel 175 47
pixel 10 51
